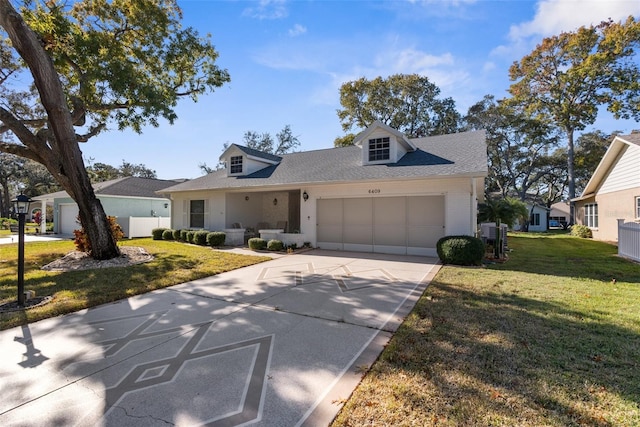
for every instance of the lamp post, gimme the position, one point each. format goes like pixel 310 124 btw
pixel 21 207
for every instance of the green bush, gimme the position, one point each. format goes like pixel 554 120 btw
pixel 460 250
pixel 275 245
pixel 156 233
pixel 191 234
pixel 176 234
pixel 581 231
pixel 167 234
pixel 200 237
pixel 216 238
pixel 183 235
pixel 257 243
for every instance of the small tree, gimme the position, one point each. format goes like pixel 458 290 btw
pixel 82 242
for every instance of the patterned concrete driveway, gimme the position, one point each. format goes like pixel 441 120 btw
pixel 274 344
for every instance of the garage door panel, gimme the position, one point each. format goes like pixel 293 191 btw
pixel 68 214
pixel 425 210
pixel 389 222
pixel 329 220
pixel 424 236
pixel 358 215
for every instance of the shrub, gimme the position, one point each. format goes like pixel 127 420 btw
pixel 156 233
pixel 581 231
pixel 167 234
pixel 200 237
pixel 460 250
pixel 82 242
pixel 176 234
pixel 275 245
pixel 183 235
pixel 190 236
pixel 257 243
pixel 216 238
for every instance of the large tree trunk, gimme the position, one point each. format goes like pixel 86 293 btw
pixel 571 175
pixel 58 150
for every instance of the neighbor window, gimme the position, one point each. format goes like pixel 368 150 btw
pixel 638 207
pixel 196 214
pixel 379 149
pixel 591 215
pixel 535 219
pixel 236 164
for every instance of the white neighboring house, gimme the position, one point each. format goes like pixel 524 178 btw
pixel 127 199
pixel 613 192
pixel 538 219
pixel 387 193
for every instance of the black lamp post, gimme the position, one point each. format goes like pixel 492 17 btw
pixel 21 207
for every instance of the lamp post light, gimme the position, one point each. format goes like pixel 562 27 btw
pixel 21 207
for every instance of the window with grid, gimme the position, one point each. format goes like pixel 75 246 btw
pixel 379 149
pixel 236 164
pixel 591 215
pixel 196 214
pixel 638 207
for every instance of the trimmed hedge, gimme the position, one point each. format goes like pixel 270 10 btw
pixel 191 234
pixel 167 234
pixel 275 245
pixel 460 250
pixel 183 235
pixel 176 234
pixel 257 243
pixel 200 237
pixel 156 233
pixel 582 231
pixel 216 238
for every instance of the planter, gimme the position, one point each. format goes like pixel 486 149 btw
pixel 290 238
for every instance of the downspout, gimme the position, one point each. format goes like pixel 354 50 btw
pixel 474 208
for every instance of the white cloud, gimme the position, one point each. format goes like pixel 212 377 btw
pixel 555 16
pixel 297 30
pixel 268 9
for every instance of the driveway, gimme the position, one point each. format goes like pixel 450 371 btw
pixel 275 344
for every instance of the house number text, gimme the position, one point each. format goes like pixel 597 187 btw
pixel 374 191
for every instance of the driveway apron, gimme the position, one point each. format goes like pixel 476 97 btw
pixel 281 343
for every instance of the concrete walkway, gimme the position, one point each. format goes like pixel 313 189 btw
pixel 275 344
pixel 32 238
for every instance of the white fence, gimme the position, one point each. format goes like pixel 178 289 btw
pixel 629 240
pixel 133 226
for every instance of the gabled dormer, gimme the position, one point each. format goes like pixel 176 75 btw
pixel 242 161
pixel 382 144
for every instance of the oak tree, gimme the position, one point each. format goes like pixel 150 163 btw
pixel 94 62
pixel 569 76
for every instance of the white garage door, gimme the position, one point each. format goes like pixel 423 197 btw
pixel 400 225
pixel 67 217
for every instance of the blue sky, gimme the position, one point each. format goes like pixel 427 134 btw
pixel 288 59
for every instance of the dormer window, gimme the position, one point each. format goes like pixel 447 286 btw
pixel 379 149
pixel 235 165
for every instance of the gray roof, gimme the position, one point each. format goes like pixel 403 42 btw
pixel 633 138
pixel 461 154
pixel 257 153
pixel 128 186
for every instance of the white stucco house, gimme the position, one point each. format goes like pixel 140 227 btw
pixel 387 193
pixel 132 200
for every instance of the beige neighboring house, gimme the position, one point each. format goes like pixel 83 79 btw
pixel 387 193
pixel 613 192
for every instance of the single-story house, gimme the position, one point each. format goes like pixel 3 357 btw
pixel 538 218
pixel 386 193
pixel 124 198
pixel 613 192
pixel 560 214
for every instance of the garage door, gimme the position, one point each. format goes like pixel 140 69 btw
pixel 67 217
pixel 401 225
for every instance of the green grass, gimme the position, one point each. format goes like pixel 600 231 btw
pixel 174 263
pixel 545 339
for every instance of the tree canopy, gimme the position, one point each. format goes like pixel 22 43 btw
pixel 569 76
pixel 94 62
pixel 409 103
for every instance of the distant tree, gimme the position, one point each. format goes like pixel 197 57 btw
pixel 406 102
pixel 518 146
pixel 569 76
pixel 589 149
pixel 100 172
pixel 10 167
pixel 344 141
pixel 506 209
pixel 94 62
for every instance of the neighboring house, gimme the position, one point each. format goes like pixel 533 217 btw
pixel 124 198
pixel 559 215
pixel 538 218
pixel 386 193
pixel 613 192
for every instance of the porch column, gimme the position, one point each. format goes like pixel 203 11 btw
pixel 43 217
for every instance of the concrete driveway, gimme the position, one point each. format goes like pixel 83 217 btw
pixel 275 344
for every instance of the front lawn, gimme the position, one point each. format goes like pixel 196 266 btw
pixel 550 338
pixel 174 263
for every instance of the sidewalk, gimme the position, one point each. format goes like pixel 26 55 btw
pixel 32 238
